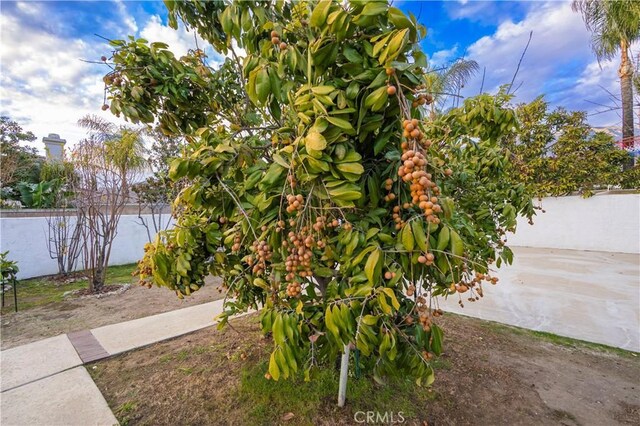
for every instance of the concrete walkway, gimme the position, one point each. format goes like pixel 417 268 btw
pixel 45 383
pixel 587 295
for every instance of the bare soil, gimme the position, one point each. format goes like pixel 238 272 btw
pixel 490 375
pixel 80 313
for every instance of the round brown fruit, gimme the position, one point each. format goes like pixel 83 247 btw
pixel 105 107
pixel 390 71
pixel 274 33
pixel 388 275
pixel 275 40
pixel 283 45
pixel 103 58
pixel 391 90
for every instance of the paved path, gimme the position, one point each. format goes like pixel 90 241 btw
pixel 45 383
pixel 587 295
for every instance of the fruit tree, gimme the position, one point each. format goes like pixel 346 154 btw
pixel 317 188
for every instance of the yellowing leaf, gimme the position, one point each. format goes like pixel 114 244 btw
pixel 322 90
pixel 355 168
pixel 371 265
pixel 274 371
pixel 315 141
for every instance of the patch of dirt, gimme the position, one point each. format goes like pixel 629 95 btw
pixel 487 376
pixel 91 312
pixel 103 291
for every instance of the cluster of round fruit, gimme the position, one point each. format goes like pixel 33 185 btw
pixel 298 261
pixel 388 184
pixel 275 40
pixel 422 99
pixel 413 170
pixel 237 239
pixel 412 129
pixel 426 259
pixel 397 218
pixel 292 180
pixel 263 253
pixel 296 203
pixel 389 275
pixel 294 289
pixel 322 223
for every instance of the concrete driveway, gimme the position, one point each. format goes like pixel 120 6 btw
pixel 587 295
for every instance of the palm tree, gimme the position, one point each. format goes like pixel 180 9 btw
pixel 446 82
pixel 615 25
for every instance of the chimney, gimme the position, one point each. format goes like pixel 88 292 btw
pixel 54 147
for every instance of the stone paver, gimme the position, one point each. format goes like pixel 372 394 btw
pixel 33 361
pixel 69 398
pixel 592 296
pixel 87 346
pixel 122 337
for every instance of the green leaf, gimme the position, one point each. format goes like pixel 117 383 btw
pixel 263 85
pixel 320 13
pixel 339 122
pixel 419 235
pixel 371 267
pixel 376 98
pixel 443 238
pixel 436 339
pixel 370 319
pixel 392 296
pixel 278 330
pixel 407 238
pixel 331 326
pixel 375 7
pixel 457 246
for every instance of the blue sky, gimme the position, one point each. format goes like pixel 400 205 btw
pixel 46 87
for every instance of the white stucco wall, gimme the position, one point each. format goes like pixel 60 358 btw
pixel 26 240
pixel 604 222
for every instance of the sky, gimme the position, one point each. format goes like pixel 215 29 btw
pixel 46 85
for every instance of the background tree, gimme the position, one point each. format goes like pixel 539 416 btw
pixel 317 188
pixel 557 152
pixel 445 83
pixel 64 223
pixel 155 194
pixel 615 25
pixel 106 164
pixel 18 163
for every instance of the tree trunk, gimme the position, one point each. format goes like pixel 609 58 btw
pixel 625 72
pixel 97 282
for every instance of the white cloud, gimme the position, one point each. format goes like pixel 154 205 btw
pixel 558 63
pixel 44 85
pixel 180 41
pixel 443 57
